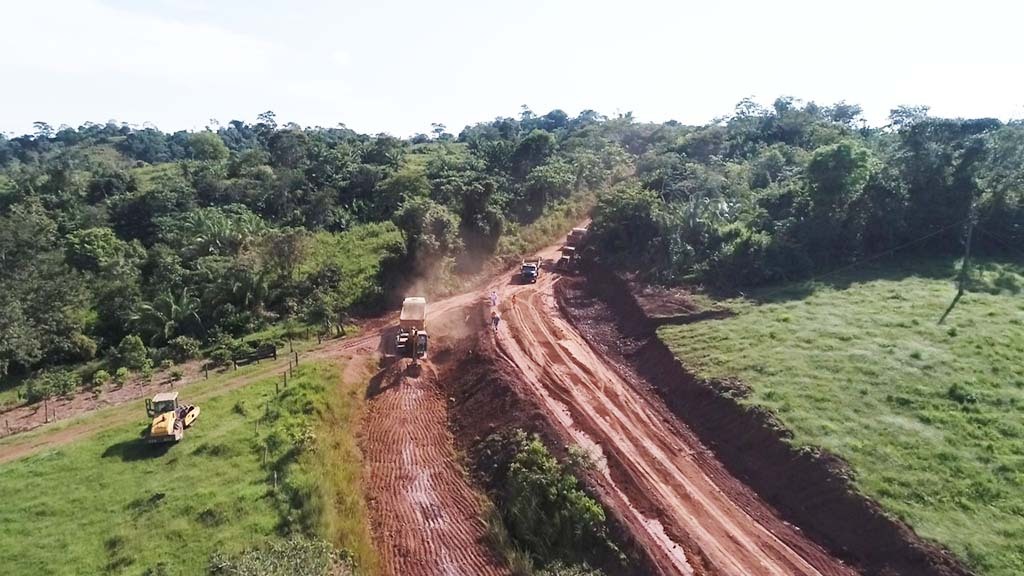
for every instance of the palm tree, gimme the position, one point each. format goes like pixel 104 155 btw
pixel 168 316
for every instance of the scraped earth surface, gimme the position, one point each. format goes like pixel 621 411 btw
pixel 680 504
pixel 426 517
pixel 682 508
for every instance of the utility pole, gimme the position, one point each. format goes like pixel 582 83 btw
pixel 963 277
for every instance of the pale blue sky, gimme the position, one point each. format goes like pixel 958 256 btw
pixel 398 65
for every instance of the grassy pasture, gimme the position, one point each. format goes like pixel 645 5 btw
pixel 110 504
pixel 931 417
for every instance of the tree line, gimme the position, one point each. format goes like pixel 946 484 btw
pixel 111 234
pixel 188 240
pixel 780 193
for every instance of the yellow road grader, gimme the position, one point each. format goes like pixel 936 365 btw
pixel 412 333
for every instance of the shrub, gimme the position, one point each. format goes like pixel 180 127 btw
pixel 147 369
pixel 546 511
pixel 220 357
pixel 183 348
pixel 295 556
pixel 51 383
pixel 176 374
pixel 100 377
pixel 961 395
pixel 166 364
pixel 121 376
pixel 130 353
pixel 84 347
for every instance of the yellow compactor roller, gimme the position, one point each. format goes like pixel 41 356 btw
pixel 170 418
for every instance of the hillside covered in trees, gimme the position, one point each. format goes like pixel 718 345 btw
pixel 112 236
pixel 776 194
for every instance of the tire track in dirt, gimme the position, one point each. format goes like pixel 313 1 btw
pixel 425 516
pixel 664 485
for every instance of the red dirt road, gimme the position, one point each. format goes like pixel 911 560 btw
pixel 680 504
pixel 426 517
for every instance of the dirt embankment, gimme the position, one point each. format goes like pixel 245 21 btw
pixel 810 490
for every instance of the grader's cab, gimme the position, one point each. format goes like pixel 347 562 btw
pixel 170 418
pixel 412 333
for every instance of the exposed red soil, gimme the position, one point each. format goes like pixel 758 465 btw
pixel 426 518
pixel 808 489
pixel 664 486
pixel 485 397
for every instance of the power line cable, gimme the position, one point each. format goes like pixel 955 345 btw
pixel 1002 241
pixel 862 261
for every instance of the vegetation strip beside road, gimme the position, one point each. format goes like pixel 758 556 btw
pixel 928 415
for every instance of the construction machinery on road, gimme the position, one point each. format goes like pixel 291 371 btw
pixel 412 333
pixel 170 418
pixel 576 238
pixel 571 249
pixel 567 262
pixel 530 271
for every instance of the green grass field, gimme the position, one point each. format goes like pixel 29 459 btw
pixel 112 505
pixel 931 417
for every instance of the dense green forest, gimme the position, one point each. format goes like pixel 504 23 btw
pixel 142 247
pixel 782 193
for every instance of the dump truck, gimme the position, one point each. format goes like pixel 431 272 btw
pixel 170 418
pixel 569 259
pixel 530 271
pixel 575 238
pixel 412 333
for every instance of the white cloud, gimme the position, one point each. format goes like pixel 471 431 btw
pixel 341 57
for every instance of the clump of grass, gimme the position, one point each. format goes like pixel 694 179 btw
pixel 961 395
